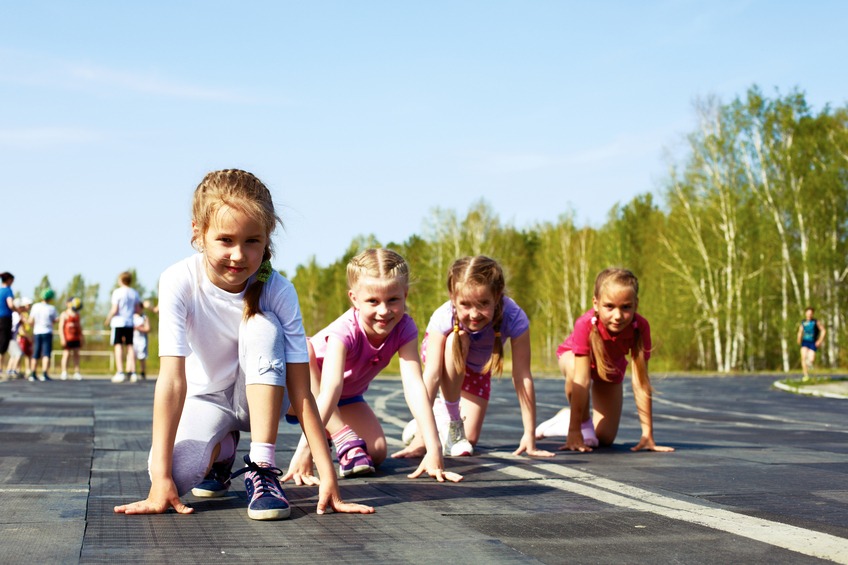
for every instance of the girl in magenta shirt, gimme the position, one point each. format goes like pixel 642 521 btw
pixel 593 361
pixel 349 353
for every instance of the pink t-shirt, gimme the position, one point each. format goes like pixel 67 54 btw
pixel 617 346
pixel 363 361
pixel 513 324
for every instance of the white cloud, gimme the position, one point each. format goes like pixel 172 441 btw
pixel 148 83
pixel 622 148
pixel 33 70
pixel 34 137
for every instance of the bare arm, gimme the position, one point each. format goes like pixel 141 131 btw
pixel 581 380
pixel 822 331
pixel 62 327
pixel 111 314
pixel 434 367
pixel 522 380
pixel 144 327
pixel 642 396
pixel 297 379
pixel 330 385
pixel 168 402
pixel 418 400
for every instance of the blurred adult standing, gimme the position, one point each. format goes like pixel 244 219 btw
pixel 125 304
pixel 7 306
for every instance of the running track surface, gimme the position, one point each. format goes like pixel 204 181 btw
pixel 759 476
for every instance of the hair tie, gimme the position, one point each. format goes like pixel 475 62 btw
pixel 456 328
pixel 265 270
pixel 498 334
pixel 594 320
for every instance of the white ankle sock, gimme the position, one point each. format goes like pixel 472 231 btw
pixel 588 430
pixel 453 410
pixel 262 452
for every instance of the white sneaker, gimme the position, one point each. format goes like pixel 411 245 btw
pixel 557 426
pixel 119 378
pixel 77 377
pixel 64 376
pixel 454 443
pixel 133 378
pixel 409 432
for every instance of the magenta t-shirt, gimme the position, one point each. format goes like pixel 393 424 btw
pixel 513 324
pixel 617 346
pixel 363 361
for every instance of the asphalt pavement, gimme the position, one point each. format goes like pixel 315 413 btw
pixel 758 476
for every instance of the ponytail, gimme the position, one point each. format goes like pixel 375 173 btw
pixel 598 352
pixel 458 362
pixel 495 363
pixel 254 291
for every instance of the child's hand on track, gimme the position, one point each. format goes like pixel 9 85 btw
pixel 647 444
pixel 433 465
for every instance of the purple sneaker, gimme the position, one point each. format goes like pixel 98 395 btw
pixel 264 493
pixel 353 459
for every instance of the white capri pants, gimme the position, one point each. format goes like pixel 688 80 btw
pixel 206 419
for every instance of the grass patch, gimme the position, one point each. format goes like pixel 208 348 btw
pixel 811 381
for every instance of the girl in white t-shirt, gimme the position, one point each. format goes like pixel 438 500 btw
pixel 232 353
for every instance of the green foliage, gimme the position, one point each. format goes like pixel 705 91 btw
pixel 751 228
pixel 748 229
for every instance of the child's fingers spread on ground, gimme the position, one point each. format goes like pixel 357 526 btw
pixel 453 477
pixel 183 509
pixel 351 508
pixel 417 473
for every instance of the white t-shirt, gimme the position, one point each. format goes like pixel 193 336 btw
pixel 139 337
pixel 199 321
pixel 42 315
pixel 126 298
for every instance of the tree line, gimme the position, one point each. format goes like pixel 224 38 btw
pixel 747 230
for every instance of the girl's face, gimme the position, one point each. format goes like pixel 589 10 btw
pixel 234 245
pixel 381 304
pixel 616 307
pixel 475 306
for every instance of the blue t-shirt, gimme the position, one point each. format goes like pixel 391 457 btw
pixel 5 293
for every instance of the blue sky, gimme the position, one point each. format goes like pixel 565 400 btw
pixel 362 117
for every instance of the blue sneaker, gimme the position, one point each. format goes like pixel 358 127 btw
pixel 216 483
pixel 266 500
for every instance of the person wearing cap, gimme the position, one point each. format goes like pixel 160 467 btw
pixel 7 306
pixel 43 317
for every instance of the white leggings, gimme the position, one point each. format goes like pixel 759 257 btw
pixel 207 418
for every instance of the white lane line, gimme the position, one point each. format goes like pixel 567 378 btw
pixel 799 540
pixel 384 416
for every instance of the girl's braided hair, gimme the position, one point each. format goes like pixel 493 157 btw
pixel 242 191
pixel 486 272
